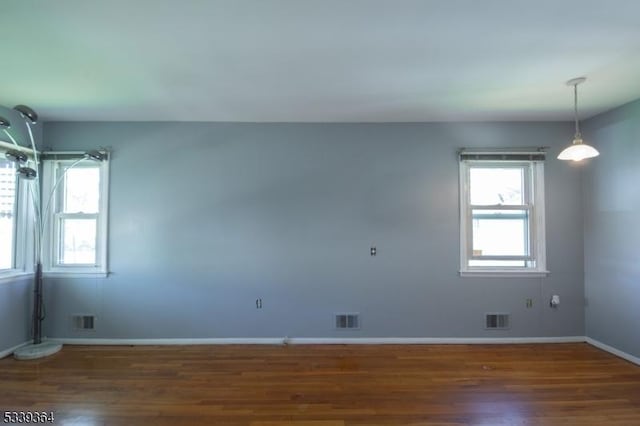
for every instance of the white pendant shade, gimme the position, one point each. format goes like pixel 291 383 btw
pixel 578 151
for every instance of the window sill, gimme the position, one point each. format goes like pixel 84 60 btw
pixel 72 274
pixel 501 273
pixel 14 276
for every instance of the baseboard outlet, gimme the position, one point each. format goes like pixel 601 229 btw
pixel 324 341
pixel 613 351
pixel 9 351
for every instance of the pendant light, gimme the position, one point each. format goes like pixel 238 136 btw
pixel 578 150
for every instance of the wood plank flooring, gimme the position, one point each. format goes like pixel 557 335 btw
pixel 332 385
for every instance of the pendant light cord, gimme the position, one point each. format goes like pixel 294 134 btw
pixel 575 110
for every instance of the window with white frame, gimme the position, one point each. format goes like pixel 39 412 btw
pixel 76 216
pixel 8 214
pixel 14 218
pixel 502 215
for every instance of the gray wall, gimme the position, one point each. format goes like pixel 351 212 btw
pixel 207 217
pixel 612 230
pixel 15 312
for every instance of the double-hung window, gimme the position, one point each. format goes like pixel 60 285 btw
pixel 8 214
pixel 76 217
pixel 13 220
pixel 502 214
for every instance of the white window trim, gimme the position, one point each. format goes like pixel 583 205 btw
pixel 50 268
pixel 537 223
pixel 23 245
pixel 13 275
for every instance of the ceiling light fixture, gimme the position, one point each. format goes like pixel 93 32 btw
pixel 578 150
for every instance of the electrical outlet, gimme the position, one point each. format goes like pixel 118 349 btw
pixel 258 303
pixel 529 303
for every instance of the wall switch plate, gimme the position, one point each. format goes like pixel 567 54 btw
pixel 529 303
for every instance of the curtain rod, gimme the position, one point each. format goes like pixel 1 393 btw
pixel 9 145
pixel 44 154
pixel 509 150
pixel 69 155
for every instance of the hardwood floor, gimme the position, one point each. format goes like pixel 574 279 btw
pixel 556 384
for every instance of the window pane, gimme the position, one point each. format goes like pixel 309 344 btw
pixel 82 190
pixel 499 263
pixel 78 241
pixel 500 232
pixel 494 186
pixel 7 212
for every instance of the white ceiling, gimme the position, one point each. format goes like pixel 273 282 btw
pixel 318 60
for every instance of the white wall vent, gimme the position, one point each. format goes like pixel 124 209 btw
pixel 497 321
pixel 347 321
pixel 83 322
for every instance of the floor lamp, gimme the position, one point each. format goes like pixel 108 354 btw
pixel 37 349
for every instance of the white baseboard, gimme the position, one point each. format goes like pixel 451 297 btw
pixel 324 341
pixel 340 341
pixel 178 341
pixel 9 351
pixel 614 351
pixel 431 340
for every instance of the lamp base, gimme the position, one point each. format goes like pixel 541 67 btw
pixel 41 350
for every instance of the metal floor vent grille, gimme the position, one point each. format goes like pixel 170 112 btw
pixel 497 321
pixel 83 322
pixel 348 321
